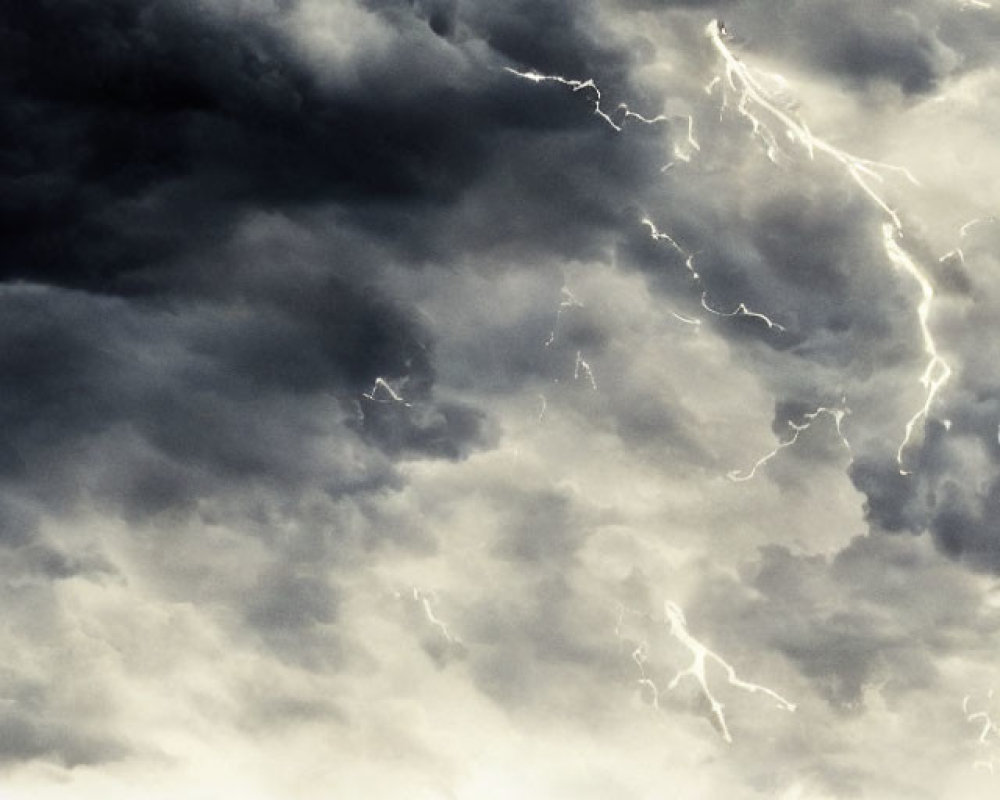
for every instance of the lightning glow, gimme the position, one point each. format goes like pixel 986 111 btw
pixel 701 656
pixel 937 372
pixel 836 414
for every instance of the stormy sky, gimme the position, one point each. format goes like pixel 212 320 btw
pixel 469 400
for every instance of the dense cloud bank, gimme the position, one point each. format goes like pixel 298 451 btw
pixel 373 383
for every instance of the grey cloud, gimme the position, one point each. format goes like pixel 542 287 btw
pixel 895 43
pixel 24 738
pixel 225 224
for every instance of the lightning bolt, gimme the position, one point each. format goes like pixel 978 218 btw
pixel 427 600
pixel 383 392
pixel 623 111
pixel 937 372
pixel 686 151
pixel 640 655
pixel 700 658
pixel 836 414
pixel 764 111
pixel 581 367
pixel 740 311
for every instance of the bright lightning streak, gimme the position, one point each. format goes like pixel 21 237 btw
pixel 758 105
pixel 937 372
pixel 426 601
pixel 568 301
pixel 658 235
pixel 701 656
pixel 640 656
pixel 694 323
pixel 685 151
pixel 740 311
pixel 383 392
pixel 581 367
pixel 578 86
pixel 836 414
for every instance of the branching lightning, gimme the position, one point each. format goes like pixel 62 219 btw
pixel 773 121
pixel 700 657
pixel 622 111
pixel 758 105
pixel 836 414
pixel 764 112
pixel 937 372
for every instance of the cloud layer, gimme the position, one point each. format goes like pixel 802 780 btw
pixel 358 424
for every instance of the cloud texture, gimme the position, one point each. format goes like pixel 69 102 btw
pixel 358 425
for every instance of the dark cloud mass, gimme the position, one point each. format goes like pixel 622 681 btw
pixel 381 377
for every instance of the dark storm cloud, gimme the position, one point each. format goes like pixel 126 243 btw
pixel 875 612
pixel 184 405
pixel 138 132
pixel 144 135
pixel 953 490
pixel 864 44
